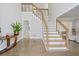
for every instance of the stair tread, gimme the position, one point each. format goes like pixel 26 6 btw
pixel 56 45
pixel 55 40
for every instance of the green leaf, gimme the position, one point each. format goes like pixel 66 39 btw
pixel 16 26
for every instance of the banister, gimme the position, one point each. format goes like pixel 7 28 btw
pixel 62 25
pixel 36 8
pixel 66 30
pixel 42 9
pixel 9 46
pixel 46 30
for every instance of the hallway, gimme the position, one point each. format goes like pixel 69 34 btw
pixel 36 48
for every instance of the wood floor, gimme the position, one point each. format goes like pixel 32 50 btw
pixel 33 47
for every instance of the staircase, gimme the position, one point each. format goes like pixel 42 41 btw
pixel 51 39
pixel 55 41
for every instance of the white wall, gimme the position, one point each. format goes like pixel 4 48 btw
pixel 77 29
pixel 57 9
pixel 9 13
pixel 61 8
pixel 35 25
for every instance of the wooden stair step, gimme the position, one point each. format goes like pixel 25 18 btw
pixel 56 45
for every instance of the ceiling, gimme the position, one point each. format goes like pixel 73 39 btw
pixel 73 13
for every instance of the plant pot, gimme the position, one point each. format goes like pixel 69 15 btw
pixel 15 36
pixel 16 33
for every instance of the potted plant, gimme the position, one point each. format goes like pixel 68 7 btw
pixel 16 27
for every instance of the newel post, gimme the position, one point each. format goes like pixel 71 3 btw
pixel 8 40
pixel 15 38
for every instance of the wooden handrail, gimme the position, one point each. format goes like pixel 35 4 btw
pixel 43 10
pixel 36 8
pixel 66 30
pixel 46 29
pixel 62 25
